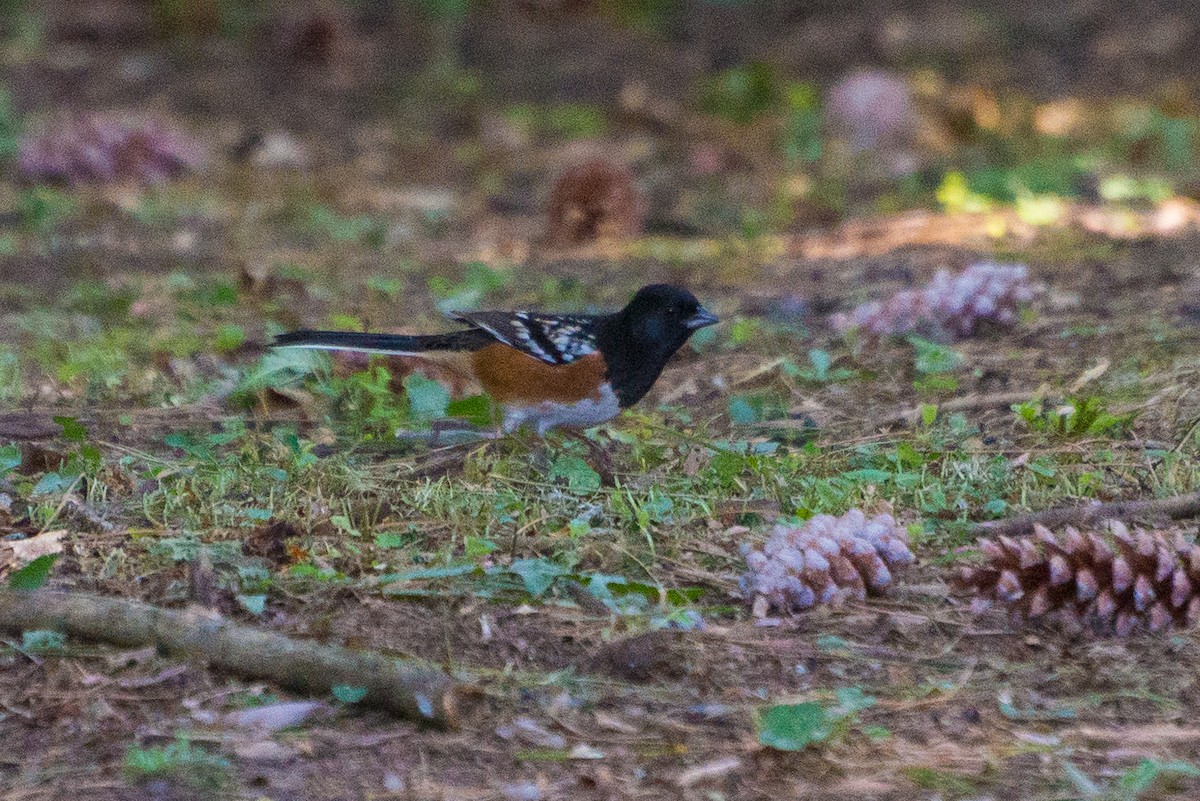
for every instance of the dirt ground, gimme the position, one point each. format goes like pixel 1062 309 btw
pixel 367 165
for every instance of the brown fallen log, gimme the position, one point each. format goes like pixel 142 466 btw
pixel 413 690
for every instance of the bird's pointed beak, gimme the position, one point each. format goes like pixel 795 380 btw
pixel 701 319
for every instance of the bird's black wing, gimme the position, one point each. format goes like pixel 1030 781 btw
pixel 552 338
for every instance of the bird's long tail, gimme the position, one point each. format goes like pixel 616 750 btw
pixel 393 344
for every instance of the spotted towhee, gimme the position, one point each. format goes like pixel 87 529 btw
pixel 551 370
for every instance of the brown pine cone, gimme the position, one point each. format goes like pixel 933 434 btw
pixel 1116 584
pixel 594 200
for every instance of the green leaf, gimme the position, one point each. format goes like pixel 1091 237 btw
pixel 851 700
pixel 348 693
pixel 608 587
pixel 579 474
pixel 821 361
pixel 538 574
pixel 33 575
pixel 1140 779
pixel 938 382
pixel 342 523
pixel 996 507
pixel 72 429
pixel 478 546
pixel 254 604
pixel 727 465
pixel 741 411
pixel 427 399
pixel 391 287
pixel 43 641
pixel 427 573
pixel 868 475
pixel 928 413
pixel 933 357
pixel 477 410
pixel 282 367
pixel 10 458
pixel 228 338
pixel 792 727
pixel 742 93
pixel 877 733
pixel 389 540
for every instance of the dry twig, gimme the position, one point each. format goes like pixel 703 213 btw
pixel 1090 514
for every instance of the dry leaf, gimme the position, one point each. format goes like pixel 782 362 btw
pixel 25 551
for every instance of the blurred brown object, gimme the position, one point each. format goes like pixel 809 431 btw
pixel 270 541
pixel 308 42
pixel 594 200
pixel 311 34
pixel 107 22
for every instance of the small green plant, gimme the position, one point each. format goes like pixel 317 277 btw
pixel 182 762
pixel 1134 783
pixel 559 122
pixel 756 408
pixel 228 338
pixel 390 288
pixel 322 222
pixel 802 124
pixel 1073 419
pixel 43 209
pixel 793 727
pixel 11 385
pixel 935 363
pixel 743 93
pixel 83 459
pixel 477 281
pixel 43 641
pixel 820 369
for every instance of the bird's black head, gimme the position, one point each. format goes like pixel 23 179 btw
pixel 661 317
pixel 640 339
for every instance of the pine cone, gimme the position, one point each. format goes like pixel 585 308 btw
pixel 96 148
pixel 950 304
pixel 1119 584
pixel 595 200
pixel 826 561
pixel 873 107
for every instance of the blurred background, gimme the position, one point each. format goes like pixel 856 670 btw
pixel 377 162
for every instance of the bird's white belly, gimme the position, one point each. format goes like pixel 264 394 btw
pixel 582 414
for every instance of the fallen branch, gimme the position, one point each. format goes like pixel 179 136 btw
pixel 411 690
pixel 1088 514
pixel 969 403
pixel 85 514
